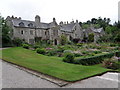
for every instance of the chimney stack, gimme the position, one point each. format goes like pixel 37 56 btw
pixel 37 19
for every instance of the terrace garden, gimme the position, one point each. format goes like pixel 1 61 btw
pixel 69 62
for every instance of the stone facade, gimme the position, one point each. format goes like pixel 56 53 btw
pixel 29 30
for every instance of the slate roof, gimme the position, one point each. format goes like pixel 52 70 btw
pixel 98 30
pixel 16 23
pixel 43 25
pixel 64 27
pixel 67 27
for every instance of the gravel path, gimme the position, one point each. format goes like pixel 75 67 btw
pixel 13 77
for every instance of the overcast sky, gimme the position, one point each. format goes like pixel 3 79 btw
pixel 62 10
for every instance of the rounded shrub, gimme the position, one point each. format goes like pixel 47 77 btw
pixel 40 51
pixel 69 57
pixel 68 51
pixel 25 46
pixel 51 53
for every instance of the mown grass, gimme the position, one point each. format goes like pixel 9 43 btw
pixel 53 66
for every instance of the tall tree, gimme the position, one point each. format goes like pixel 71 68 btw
pixel 6 40
pixel 94 21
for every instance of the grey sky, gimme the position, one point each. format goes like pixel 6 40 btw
pixel 62 10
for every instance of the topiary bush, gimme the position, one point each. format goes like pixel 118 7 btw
pixel 25 46
pixel 40 51
pixel 69 57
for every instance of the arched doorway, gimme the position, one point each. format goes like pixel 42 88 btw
pixel 55 42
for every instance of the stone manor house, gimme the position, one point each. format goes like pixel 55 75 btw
pixel 29 30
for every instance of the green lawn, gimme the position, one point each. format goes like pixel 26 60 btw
pixel 53 66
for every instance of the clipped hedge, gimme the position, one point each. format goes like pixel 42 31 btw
pixel 93 59
pixel 40 51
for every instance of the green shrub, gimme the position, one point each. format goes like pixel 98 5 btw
pixel 91 37
pixel 96 52
pixel 69 57
pixel 92 46
pixel 92 54
pixel 51 53
pixel 93 59
pixel 36 46
pixel 17 42
pixel 112 45
pixel 77 54
pixel 25 46
pixel 90 60
pixel 98 47
pixel 68 51
pixel 110 64
pixel 68 47
pixel 117 54
pixel 60 49
pixel 85 52
pixel 79 44
pixel 63 39
pixel 40 51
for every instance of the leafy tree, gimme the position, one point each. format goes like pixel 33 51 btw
pixel 88 22
pixel 91 37
pixel 111 29
pixel 96 25
pixel 6 40
pixel 94 21
pixel 85 26
pixel 117 38
pixel 63 40
pixel 17 42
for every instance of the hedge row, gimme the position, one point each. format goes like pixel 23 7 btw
pixel 95 59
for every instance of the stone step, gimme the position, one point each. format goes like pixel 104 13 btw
pixel 110 76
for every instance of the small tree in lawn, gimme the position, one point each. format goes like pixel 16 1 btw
pixel 91 37
pixel 63 40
